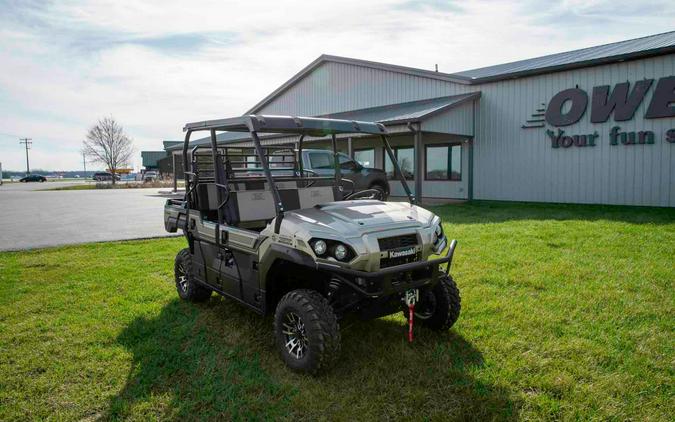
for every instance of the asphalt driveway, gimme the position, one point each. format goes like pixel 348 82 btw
pixel 35 219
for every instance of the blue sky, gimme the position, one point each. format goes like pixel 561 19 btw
pixel 155 65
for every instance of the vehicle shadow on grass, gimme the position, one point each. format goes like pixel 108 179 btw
pixel 186 365
pixel 217 361
pixel 433 377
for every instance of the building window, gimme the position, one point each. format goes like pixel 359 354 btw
pixel 365 156
pixel 406 160
pixel 443 162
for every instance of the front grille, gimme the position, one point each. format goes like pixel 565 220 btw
pixel 389 243
pixel 391 262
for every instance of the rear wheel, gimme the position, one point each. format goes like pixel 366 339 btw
pixel 306 330
pixel 187 287
pixel 439 307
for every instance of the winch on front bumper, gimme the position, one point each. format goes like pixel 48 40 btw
pixel 394 279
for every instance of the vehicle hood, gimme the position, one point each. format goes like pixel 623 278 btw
pixel 347 219
pixel 373 170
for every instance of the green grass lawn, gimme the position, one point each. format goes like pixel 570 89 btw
pixel 568 313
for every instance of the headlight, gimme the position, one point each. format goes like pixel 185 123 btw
pixel 341 252
pixel 320 247
pixel 327 248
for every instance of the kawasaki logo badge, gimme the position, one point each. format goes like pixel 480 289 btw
pixel 402 252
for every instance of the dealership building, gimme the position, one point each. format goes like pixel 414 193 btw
pixel 595 125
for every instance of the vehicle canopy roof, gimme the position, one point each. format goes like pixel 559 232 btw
pixel 312 126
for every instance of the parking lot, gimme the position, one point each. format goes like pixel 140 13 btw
pixel 31 218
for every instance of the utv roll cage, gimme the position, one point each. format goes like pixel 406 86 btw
pixel 256 124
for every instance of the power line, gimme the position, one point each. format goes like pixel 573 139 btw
pixel 27 142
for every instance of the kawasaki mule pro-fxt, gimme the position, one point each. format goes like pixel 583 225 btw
pixel 279 238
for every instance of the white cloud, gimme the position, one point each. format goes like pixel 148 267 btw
pixel 156 65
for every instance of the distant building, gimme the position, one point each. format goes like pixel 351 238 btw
pixel 595 125
pixel 151 159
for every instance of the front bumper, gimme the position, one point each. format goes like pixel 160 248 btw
pixel 392 280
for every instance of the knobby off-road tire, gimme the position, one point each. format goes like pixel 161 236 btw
pixel 187 287
pixel 447 305
pixel 306 331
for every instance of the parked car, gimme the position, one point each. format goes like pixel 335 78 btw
pixel 104 176
pixel 150 176
pixel 321 163
pixel 33 178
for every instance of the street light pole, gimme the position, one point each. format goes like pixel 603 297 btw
pixel 27 142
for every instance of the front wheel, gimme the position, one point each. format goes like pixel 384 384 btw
pixel 439 307
pixel 187 287
pixel 306 330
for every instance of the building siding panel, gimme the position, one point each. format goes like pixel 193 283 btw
pixel 512 163
pixel 335 87
pixel 457 120
pixel 519 164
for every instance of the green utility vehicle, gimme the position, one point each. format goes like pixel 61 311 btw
pixel 309 248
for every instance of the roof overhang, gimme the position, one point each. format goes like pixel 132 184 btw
pixel 313 126
pixel 408 112
pixel 389 119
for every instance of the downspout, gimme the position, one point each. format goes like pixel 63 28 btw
pixel 471 146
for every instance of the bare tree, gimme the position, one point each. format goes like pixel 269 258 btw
pixel 107 143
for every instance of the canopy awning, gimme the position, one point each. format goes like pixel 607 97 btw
pixel 413 111
pixel 389 115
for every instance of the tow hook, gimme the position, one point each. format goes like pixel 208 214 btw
pixel 411 298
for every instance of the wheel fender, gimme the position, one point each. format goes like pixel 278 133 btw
pixel 278 252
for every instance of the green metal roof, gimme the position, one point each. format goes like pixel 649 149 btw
pixel 168 144
pixel 150 158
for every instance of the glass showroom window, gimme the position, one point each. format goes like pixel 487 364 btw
pixel 365 156
pixel 406 160
pixel 443 162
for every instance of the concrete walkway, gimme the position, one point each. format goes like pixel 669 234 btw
pixel 35 219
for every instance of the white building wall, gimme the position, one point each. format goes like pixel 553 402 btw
pixel 458 120
pixel 511 163
pixel 518 164
pixel 335 87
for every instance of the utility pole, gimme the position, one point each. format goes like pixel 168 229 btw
pixel 27 142
pixel 84 162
